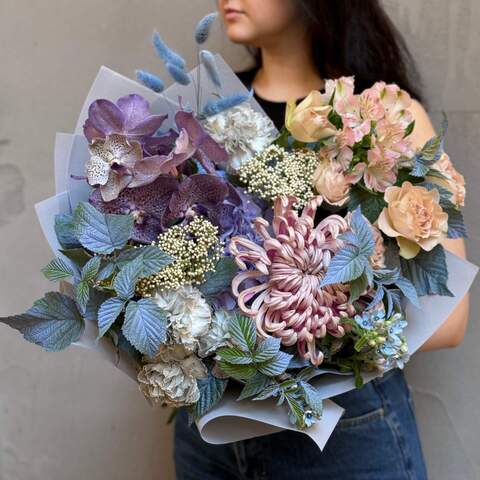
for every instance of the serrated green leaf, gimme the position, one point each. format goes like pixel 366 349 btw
pixel 96 298
pixel 53 322
pixel 211 391
pixel 57 269
pixel 106 271
pixel 239 372
pixel 357 287
pixel 99 232
pixel 219 280
pixel 276 366
pixel 108 313
pixel 145 326
pixel 79 256
pixel 82 294
pixel 269 391
pixel 363 232
pixel 126 279
pixel 296 408
pixel 267 349
pixel 234 355
pixel 90 270
pixel 255 385
pixel 243 332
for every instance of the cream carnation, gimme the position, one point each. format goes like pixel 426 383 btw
pixel 242 131
pixel 217 334
pixel 189 315
pixel 171 377
pixel 414 217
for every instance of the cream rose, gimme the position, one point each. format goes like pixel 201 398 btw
pixel 308 121
pixel 453 181
pixel 330 182
pixel 414 217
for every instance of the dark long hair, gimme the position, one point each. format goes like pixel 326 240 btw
pixel 356 37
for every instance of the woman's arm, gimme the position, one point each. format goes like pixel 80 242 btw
pixel 451 333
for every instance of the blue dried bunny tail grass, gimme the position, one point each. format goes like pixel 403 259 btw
pixel 150 80
pixel 216 106
pixel 202 30
pixel 166 53
pixel 177 74
pixel 208 60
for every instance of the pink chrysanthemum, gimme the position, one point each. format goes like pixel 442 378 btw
pixel 287 301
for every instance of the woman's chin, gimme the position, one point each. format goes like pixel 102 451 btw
pixel 239 34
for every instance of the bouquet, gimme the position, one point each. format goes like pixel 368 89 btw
pixel 216 259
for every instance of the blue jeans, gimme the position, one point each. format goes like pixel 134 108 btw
pixel 376 439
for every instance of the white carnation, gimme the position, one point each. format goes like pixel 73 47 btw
pixel 188 314
pixel 217 334
pixel 242 131
pixel 171 377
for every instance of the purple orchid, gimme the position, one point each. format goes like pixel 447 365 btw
pixel 129 116
pixel 147 204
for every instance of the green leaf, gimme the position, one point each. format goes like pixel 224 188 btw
pixel 79 256
pixel 363 232
pixel 271 390
pixel 276 366
pixel 211 391
pixel 255 385
pixel 96 298
pixel 145 326
pixel 108 313
pixel 219 280
pixel 234 355
pixel 126 279
pixel 357 287
pixel 99 232
pixel 82 294
pixel 428 272
pixel 266 350
pixel 296 408
pixel 409 128
pixel 57 269
pixel 53 322
pixel 239 372
pixel 153 259
pixel 106 271
pixel 65 230
pixel 243 332
pixel 90 270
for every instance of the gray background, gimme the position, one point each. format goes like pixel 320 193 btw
pixel 68 416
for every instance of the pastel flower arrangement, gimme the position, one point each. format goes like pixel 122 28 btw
pixel 220 251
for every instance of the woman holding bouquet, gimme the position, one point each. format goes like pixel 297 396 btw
pixel 297 44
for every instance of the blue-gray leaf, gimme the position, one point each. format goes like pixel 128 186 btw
pixel 65 230
pixel 276 366
pixel 255 386
pixel 99 232
pixel 153 259
pixel 428 272
pixel 125 281
pixel 347 265
pixel 145 326
pixel 219 280
pixel 108 313
pixel 211 391
pixel 266 350
pixel 363 231
pixel 53 322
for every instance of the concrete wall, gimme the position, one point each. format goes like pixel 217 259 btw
pixel 68 416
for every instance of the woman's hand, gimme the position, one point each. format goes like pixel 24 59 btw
pixel 451 333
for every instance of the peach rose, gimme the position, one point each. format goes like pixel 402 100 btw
pixel 414 217
pixel 453 181
pixel 308 121
pixel 330 182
